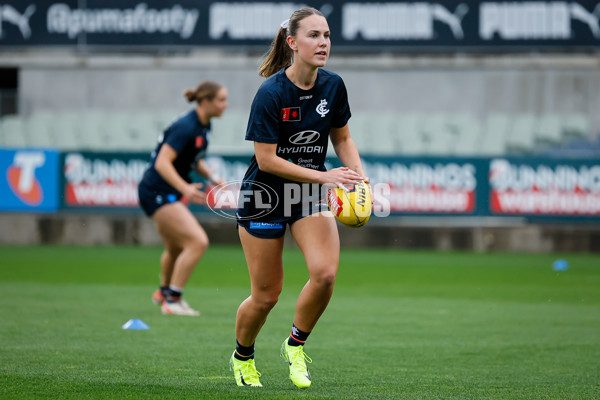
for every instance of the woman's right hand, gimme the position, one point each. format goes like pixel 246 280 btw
pixel 340 177
pixel 193 193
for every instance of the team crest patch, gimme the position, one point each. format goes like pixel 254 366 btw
pixel 322 108
pixel 290 114
pixel 199 141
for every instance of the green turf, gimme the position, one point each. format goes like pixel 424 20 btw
pixel 401 325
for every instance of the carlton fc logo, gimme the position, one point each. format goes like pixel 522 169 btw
pixel 322 108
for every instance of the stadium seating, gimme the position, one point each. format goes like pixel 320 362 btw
pixel 12 132
pixel 520 137
pixel 436 131
pixel 576 125
pixel 467 130
pixel 382 133
pixel 548 130
pixel 494 135
pixel 410 139
pixel 228 134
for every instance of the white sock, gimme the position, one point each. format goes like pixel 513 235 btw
pixel 176 288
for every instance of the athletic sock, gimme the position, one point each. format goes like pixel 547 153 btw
pixel 297 337
pixel 172 295
pixel 176 288
pixel 243 353
pixel 163 290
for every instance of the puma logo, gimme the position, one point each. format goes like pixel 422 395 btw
pixel 10 14
pixel 590 18
pixel 453 20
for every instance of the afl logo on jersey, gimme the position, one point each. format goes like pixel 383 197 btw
pixel 305 137
pixel 321 108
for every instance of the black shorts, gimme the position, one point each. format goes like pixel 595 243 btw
pixel 273 228
pixel 152 198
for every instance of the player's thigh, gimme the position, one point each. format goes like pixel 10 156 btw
pixel 178 226
pixel 318 239
pixel 265 262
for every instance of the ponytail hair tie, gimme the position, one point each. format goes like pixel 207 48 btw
pixel 285 24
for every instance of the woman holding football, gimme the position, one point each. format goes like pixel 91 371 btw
pixel 166 182
pixel 296 109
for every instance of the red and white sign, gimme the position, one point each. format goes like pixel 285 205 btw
pixel 544 189
pixel 431 200
pixel 444 187
pixel 102 181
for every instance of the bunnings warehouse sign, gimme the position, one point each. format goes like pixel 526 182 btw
pixel 442 25
pixel 426 185
pixel 544 187
pixel 105 180
pixel 418 186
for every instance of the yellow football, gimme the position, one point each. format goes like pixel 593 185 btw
pixel 353 207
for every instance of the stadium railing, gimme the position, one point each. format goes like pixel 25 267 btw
pixel 379 133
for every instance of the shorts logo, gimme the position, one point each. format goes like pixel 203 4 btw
pixel 264 225
pixel 321 108
pixel 290 114
pixel 305 137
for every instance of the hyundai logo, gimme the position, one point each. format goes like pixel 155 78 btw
pixel 305 137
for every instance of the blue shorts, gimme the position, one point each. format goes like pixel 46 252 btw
pixel 273 228
pixel 152 198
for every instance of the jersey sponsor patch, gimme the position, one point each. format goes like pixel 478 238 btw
pixel 290 114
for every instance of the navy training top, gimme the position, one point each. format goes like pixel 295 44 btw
pixel 189 138
pixel 299 122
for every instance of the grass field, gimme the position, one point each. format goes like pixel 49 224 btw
pixel 401 325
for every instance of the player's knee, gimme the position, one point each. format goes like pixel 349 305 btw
pixel 325 277
pixel 270 303
pixel 200 243
pixel 266 303
pixel 267 298
pixel 205 242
